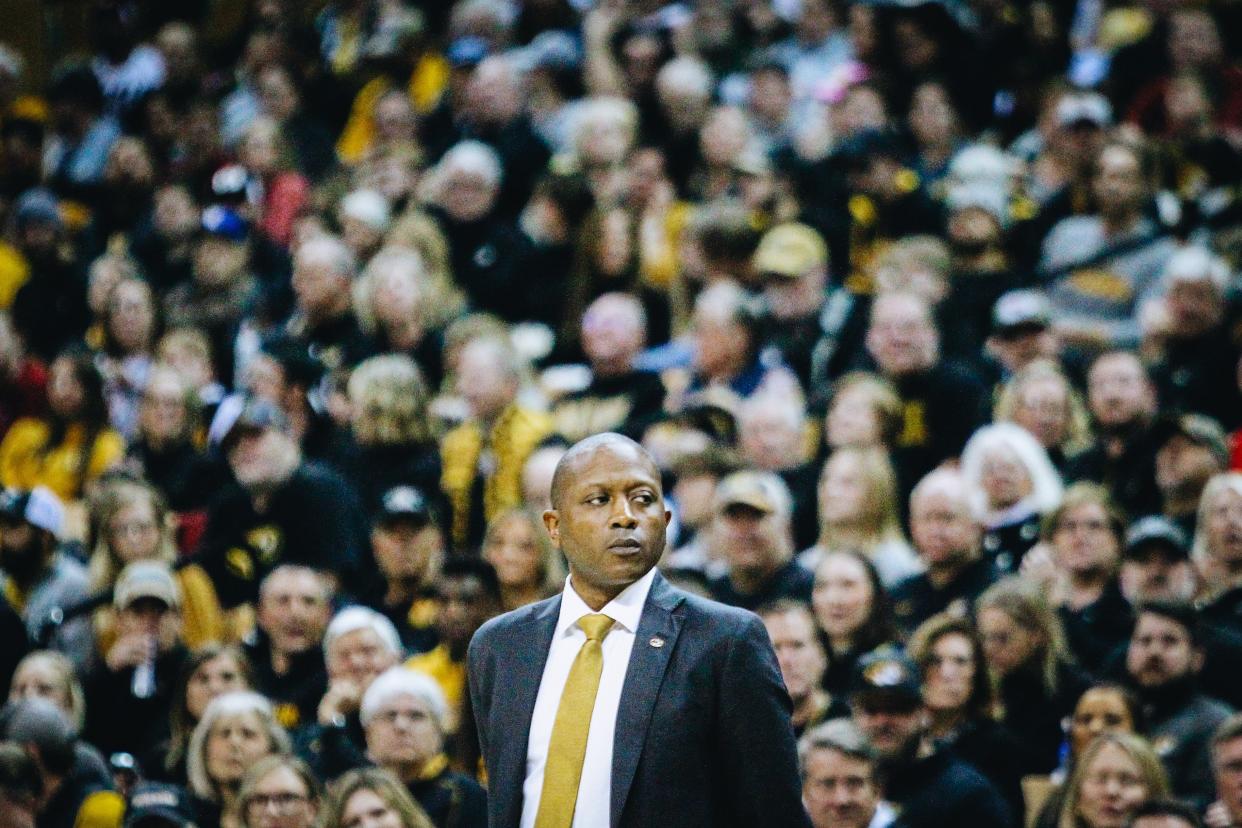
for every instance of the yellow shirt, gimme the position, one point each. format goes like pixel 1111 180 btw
pixel 14 272
pixel 26 460
pixel 427 83
pixel 447 673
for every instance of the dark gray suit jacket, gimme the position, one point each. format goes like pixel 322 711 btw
pixel 703 737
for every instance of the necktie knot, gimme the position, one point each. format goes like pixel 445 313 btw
pixel 595 626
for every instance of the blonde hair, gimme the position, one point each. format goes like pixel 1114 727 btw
pixel 551 570
pixel 384 785
pixel 1230 481
pixel 439 301
pixel 389 400
pixel 119 495
pixel 880 521
pixel 1137 748
pixel 1078 425
pixel 1026 606
pixel 66 678
pixel 882 396
pixel 236 703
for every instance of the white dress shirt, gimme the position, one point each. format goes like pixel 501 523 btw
pixel 595 787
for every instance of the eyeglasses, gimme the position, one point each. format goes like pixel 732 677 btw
pixel 283 802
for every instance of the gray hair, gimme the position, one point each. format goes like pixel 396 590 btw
pixel 1196 264
pixel 402 681
pixel 327 250
pixel 472 158
pixel 236 703
pixel 1046 486
pixel 840 735
pixel 354 618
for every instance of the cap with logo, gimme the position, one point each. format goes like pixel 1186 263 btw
pixel 791 251
pixel 887 675
pixel 405 504
pixel 1021 311
pixel 154 804
pixel 758 490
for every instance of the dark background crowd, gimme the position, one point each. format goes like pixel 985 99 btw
pixel 928 312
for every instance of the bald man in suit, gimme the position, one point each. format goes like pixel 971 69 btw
pixel 689 721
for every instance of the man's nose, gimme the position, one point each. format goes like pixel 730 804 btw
pixel 623 513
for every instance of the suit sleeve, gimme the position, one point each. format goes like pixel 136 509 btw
pixel 478 675
pixel 756 740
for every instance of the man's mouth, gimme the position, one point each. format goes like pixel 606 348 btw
pixel 625 545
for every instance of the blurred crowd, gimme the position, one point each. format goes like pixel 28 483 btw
pixel 928 311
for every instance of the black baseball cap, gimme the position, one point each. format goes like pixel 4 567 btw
pixel 154 805
pixel 405 504
pixel 887 678
pixel 1199 429
pixel 1156 531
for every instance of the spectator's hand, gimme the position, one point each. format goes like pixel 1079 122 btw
pixel 1217 816
pixel 1038 566
pixel 343 697
pixel 130 651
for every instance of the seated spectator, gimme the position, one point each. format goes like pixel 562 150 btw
pixel 1164 660
pixel 1196 357
pixel 130 326
pixel 1036 681
pixel 1101 268
pixel 358 646
pixel 132 687
pixel 21 786
pixel 237 730
pixel 134 524
pixel 74 786
pixel 1021 332
pixel 40 578
pixel 840 778
pixel 1012 485
pixel 1085 536
pixel 929 786
pixel 1166 813
pixel 1122 401
pixel 537 474
pixel 958 696
pixel 285 649
pixel 1217 550
pixel 500 427
pixel 1226 750
pixel 772 434
pixel 404 714
pixel 280 784
pixel 372 793
pixel 696 473
pixel 408 543
pixel 802 662
pixel 469 595
pixel 619 397
pixel 751 532
pixel 73 444
pixel 727 345
pixel 1156 562
pixel 323 319
pixel 853 613
pixel 1115 775
pixel 527 564
pixel 1041 399
pixel 941 404
pixel 391 428
pixel 268 159
pixel 282 509
pixel 1190 450
pixel 947 538
pixel 858 511
pixel 208 672
pixel 47 674
pixel 864 411
pixel 165 450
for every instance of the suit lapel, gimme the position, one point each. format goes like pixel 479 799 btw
pixel 648 661
pixel 519 672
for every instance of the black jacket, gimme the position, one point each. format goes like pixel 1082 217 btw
pixel 942 790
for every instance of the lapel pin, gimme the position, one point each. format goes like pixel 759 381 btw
pixel 656 642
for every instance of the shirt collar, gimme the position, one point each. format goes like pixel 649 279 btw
pixel 626 609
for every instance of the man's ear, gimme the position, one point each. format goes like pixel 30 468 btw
pixel 552 522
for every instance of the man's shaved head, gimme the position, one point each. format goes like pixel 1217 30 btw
pixel 579 451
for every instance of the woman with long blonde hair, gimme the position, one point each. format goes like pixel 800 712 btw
pixel 858 510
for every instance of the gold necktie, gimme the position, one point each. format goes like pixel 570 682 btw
pixel 563 770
